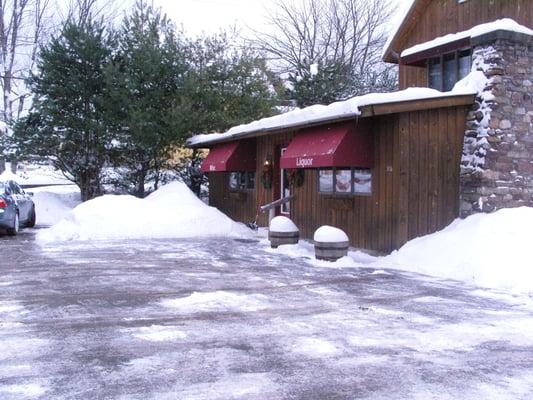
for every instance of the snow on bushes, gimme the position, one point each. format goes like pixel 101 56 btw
pixel 171 212
pixel 491 250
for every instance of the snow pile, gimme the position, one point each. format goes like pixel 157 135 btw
pixel 53 203
pixel 491 250
pixel 282 224
pixel 330 234
pixel 505 24
pixel 320 113
pixel 171 212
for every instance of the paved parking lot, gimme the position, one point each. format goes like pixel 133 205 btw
pixel 223 319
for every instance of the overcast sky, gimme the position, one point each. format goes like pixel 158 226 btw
pixel 209 16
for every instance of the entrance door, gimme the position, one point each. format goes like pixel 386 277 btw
pixel 281 183
pixel 285 187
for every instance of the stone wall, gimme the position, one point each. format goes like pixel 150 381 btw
pixel 497 164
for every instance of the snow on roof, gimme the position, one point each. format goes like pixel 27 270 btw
pixel 397 22
pixel 320 113
pixel 505 24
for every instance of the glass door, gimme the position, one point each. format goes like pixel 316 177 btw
pixel 285 189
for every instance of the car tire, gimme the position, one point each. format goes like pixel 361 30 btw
pixel 33 218
pixel 16 226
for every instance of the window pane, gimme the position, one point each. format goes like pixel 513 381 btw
pixel 450 72
pixel 435 77
pixel 233 180
pixel 325 180
pixel 362 181
pixel 241 180
pixel 343 181
pixel 465 63
pixel 251 180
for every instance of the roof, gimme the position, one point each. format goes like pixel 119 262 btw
pixel 408 17
pixel 478 31
pixel 373 104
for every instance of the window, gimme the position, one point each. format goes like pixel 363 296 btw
pixel 446 70
pixel 241 180
pixel 354 181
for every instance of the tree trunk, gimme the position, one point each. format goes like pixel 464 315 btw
pixel 2 165
pixel 90 186
pixel 141 178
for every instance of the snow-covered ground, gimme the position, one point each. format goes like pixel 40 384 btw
pixel 35 175
pixel 222 319
pixel 173 211
pixel 489 250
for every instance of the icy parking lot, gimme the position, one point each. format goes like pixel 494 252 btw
pixel 224 319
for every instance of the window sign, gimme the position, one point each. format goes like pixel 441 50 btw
pixel 325 180
pixel 362 181
pixel 343 181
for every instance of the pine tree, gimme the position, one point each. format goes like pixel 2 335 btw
pixel 68 122
pixel 147 76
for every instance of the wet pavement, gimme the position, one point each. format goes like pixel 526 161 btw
pixel 224 319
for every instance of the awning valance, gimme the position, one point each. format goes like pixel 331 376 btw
pixel 341 145
pixel 231 156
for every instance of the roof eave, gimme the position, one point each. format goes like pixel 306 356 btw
pixel 373 110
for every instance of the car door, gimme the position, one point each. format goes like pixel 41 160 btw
pixel 20 199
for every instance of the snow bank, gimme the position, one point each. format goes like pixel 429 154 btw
pixel 505 24
pixel 282 224
pixel 53 203
pixel 320 113
pixel 329 234
pixel 171 212
pixel 491 250
pixel 35 175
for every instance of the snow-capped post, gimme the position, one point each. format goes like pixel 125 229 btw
pixel 282 231
pixel 330 243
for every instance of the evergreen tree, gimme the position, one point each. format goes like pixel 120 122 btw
pixel 147 78
pixel 68 122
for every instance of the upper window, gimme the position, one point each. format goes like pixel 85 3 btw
pixel 446 70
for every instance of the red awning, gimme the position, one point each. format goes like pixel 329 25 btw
pixel 232 156
pixel 340 145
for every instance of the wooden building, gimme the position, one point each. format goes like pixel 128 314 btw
pixel 383 168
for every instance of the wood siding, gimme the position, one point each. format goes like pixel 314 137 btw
pixel 415 183
pixel 449 16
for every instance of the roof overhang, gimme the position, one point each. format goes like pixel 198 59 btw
pixel 409 20
pixel 374 110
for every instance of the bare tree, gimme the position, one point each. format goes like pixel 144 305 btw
pixel 107 10
pixel 23 25
pixel 331 48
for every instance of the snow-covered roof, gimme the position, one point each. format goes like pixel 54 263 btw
pixel 505 24
pixel 398 21
pixel 320 113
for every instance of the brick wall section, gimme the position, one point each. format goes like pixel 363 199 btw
pixel 503 177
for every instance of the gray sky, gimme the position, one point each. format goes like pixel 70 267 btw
pixel 209 16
